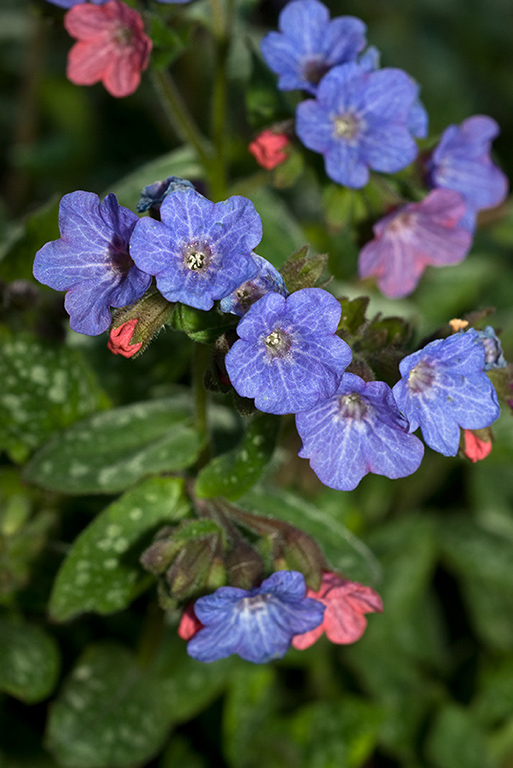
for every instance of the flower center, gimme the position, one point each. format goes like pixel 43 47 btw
pixel 314 70
pixel 120 259
pixel 346 126
pixel 401 222
pixel 278 343
pixel 352 406
pixel 255 603
pixel 197 257
pixel 421 377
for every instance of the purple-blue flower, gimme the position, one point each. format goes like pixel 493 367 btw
pixel 200 251
pixel 91 260
pixel 288 356
pixel 257 624
pixel 266 280
pixel 418 120
pixel 356 431
pixel 413 237
pixel 309 44
pixel 359 121
pixel 444 387
pixel 462 161
pixel 71 3
pixel 494 356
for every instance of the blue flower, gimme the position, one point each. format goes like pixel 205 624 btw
pixel 462 162
pixel 309 44
pixel 257 624
pixel 91 260
pixel 358 121
pixel 288 356
pixel 494 356
pixel 418 120
pixel 267 279
pixel 200 251
pixel 356 431
pixel 444 387
pixel 153 194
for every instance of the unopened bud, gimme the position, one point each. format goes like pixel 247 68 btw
pixel 477 443
pixel 190 570
pixel 134 326
pixel 244 565
pixel 269 149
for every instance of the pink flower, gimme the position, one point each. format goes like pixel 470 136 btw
pixel 120 339
pixel 413 237
pixel 111 48
pixel 268 149
pixel 475 448
pixel 189 623
pixel 346 603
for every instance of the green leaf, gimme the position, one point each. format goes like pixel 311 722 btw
pixel 180 162
pixel 168 43
pixel 202 327
pixel 17 253
pixel 29 660
pixel 188 686
pixel 342 734
pixel 302 270
pixel 353 314
pixel 343 550
pixel 455 740
pixel 101 572
pixel 113 450
pixel 45 388
pixel 282 233
pixel 233 473
pixel 109 713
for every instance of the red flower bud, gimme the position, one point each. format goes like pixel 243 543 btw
pixel 475 448
pixel 119 342
pixel 189 623
pixel 268 149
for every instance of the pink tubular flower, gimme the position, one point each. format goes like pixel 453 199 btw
pixel 346 603
pixel 120 340
pixel 475 448
pixel 112 46
pixel 268 149
pixel 189 623
pixel 413 237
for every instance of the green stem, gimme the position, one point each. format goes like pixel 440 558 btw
pixel 179 116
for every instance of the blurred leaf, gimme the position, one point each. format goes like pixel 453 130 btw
pixel 265 103
pixel 44 389
pixel 455 740
pixel 168 43
pixel 101 572
pixel 494 699
pixel 342 734
pixel 344 551
pixel 303 270
pixel 188 686
pixel 180 752
pixel 180 162
pixel 113 450
pixel 287 173
pixel 343 207
pixel 282 232
pixel 250 706
pixel 29 660
pixel 17 253
pixel 474 552
pixel 233 473
pixel 109 713
pixel 491 611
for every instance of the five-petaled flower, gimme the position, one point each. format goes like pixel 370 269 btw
pixel 257 624
pixel 359 121
pixel 413 237
pixel 288 356
pixel 462 161
pixel 268 149
pixel 112 46
pixel 444 387
pixel 309 44
pixel 200 251
pixel 356 431
pixel 91 260
pixel 346 603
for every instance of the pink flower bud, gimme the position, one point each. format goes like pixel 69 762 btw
pixel 475 448
pixel 119 342
pixel 268 149
pixel 189 623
